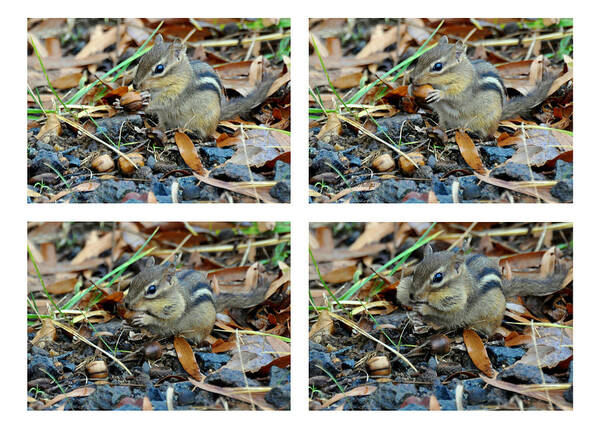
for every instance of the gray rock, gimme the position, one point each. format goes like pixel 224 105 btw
pixel 234 172
pixel 231 378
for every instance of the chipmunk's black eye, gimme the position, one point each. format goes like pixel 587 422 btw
pixel 159 69
pixel 437 66
pixel 438 277
pixel 151 290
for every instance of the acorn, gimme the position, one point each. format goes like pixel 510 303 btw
pixel 103 163
pixel 383 163
pixel 97 369
pixel 421 91
pixel 379 366
pixel 126 167
pixel 132 101
pixel 440 344
pixel 152 351
pixel 407 166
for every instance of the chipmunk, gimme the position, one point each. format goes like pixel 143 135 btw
pixel 452 290
pixel 188 94
pixel 167 302
pixel 468 94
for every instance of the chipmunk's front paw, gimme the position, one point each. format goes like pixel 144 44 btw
pixel 433 96
pixel 423 309
pixel 141 319
pixel 146 97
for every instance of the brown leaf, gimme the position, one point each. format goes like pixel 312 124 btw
pixel 229 275
pixel 51 128
pixel 358 391
pixel 552 346
pixel 537 147
pixel 322 328
pixel 94 246
pixel 469 152
pixel 260 146
pixel 477 352
pixel 67 81
pixel 373 233
pixel 340 275
pixel 364 187
pixel 256 398
pixel 244 188
pixel 99 40
pixel 62 286
pixel 186 357
pixel 342 253
pixel 555 396
pixel 79 392
pixel 66 61
pixel 541 191
pixel 89 186
pixel 331 129
pixel 254 353
pixel 189 154
pixel 45 335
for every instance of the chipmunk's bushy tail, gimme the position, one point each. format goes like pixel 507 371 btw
pixel 521 286
pixel 242 300
pixel 236 106
pixel 524 103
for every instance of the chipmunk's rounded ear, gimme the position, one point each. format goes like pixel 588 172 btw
pixel 443 40
pixel 149 262
pixel 177 49
pixel 460 50
pixel 428 250
pixel 158 39
pixel 458 262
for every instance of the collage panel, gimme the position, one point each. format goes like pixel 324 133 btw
pixel 158 316
pixel 171 110
pixel 441 316
pixel 441 110
pixel 147 308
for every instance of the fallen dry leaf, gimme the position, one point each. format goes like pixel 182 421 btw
pixel 477 352
pixel 554 345
pixel 260 146
pixel 51 128
pixel 254 353
pixel 189 154
pixel 83 187
pixel 186 357
pixel 358 391
pixel 469 152
pixel 322 328
pixel 555 396
pixel 255 398
pixel 45 335
pixel 79 392
pixel 62 286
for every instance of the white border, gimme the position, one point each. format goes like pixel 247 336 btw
pixel 18 212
